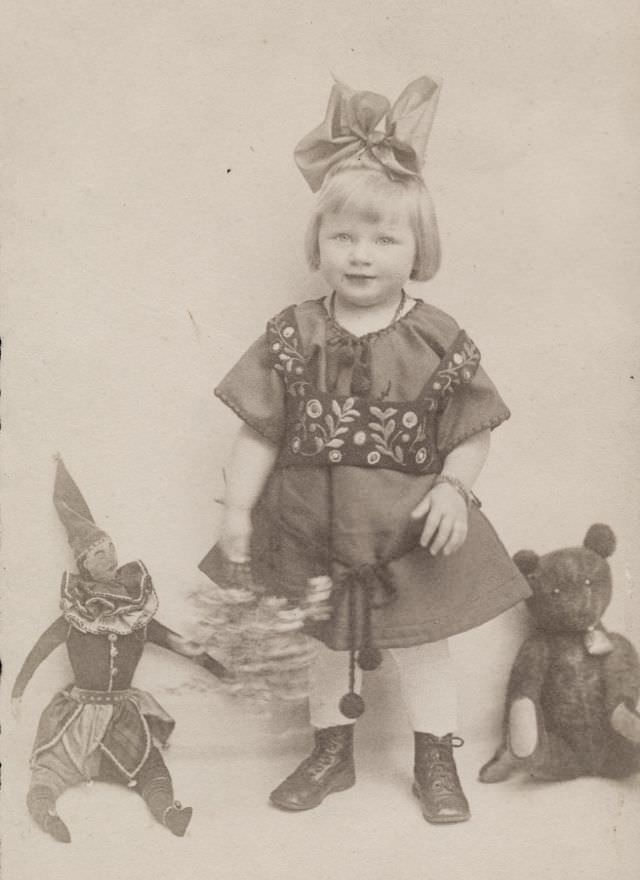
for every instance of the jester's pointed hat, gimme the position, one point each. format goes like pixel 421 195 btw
pixel 74 512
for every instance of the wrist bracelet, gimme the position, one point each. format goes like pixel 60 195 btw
pixel 466 494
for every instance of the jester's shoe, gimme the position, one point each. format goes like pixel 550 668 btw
pixel 41 803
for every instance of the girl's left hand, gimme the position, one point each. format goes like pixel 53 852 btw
pixel 446 525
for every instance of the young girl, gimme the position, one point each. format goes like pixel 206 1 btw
pixel 367 421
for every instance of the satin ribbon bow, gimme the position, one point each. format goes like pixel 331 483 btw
pixel 350 128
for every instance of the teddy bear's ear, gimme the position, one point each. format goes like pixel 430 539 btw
pixel 601 540
pixel 527 561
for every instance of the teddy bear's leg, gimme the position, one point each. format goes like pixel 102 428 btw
pixel 499 767
pixel 543 754
pixel 554 759
pixel 520 742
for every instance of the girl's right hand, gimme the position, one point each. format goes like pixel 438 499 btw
pixel 235 534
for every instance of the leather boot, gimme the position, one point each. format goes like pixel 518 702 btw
pixel 329 767
pixel 41 803
pixel 436 781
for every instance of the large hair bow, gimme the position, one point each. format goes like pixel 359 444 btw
pixel 349 128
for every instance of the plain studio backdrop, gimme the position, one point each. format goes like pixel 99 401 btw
pixel 154 219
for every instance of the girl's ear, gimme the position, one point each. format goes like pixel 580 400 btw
pixel 527 561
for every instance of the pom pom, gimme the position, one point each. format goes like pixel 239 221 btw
pixel 352 705
pixel 601 540
pixel 527 561
pixel 369 658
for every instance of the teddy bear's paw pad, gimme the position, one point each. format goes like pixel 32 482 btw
pixel 626 722
pixel 523 728
pixel 498 768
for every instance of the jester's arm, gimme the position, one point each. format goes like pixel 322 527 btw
pixel 166 638
pixel 55 635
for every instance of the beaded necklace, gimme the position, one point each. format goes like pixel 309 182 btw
pixel 396 314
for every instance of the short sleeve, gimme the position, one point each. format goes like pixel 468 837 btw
pixel 255 392
pixel 472 408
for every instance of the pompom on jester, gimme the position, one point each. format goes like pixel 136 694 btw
pixel 574 687
pixel 99 727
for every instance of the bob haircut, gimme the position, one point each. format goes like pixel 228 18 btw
pixel 362 185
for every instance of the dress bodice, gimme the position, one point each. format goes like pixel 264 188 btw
pixel 338 425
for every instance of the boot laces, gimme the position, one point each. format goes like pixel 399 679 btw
pixel 324 756
pixel 439 765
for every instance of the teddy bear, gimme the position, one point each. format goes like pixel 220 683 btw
pixel 572 696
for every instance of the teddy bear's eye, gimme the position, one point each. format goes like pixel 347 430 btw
pixel 556 591
pixel 587 582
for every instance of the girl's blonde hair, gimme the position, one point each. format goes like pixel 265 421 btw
pixel 362 185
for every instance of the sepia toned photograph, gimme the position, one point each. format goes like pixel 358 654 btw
pixel 320 430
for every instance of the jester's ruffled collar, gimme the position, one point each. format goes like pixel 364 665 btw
pixel 126 604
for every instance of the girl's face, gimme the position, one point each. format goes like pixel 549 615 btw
pixel 101 561
pixel 366 258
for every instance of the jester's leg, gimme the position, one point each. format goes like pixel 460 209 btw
pixel 155 786
pixel 52 774
pixel 153 783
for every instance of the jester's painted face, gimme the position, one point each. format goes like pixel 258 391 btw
pixel 100 560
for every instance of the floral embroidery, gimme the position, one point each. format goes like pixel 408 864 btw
pixel 457 367
pixel 421 455
pixel 326 429
pixel 283 342
pixel 382 433
pixel 317 430
pixel 330 429
pixel 314 409
pixel 410 419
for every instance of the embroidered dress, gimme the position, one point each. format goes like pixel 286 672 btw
pixel 364 425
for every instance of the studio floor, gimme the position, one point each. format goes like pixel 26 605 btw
pixel 224 764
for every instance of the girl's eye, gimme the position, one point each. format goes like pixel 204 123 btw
pixel 386 239
pixel 342 236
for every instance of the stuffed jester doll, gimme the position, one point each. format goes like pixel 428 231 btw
pixel 99 727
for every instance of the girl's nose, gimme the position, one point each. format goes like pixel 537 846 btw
pixel 360 252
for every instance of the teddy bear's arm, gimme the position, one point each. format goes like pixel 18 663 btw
pixel 529 669
pixel 622 674
pixel 520 734
pixel 523 696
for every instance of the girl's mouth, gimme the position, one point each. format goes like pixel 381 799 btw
pixel 360 278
